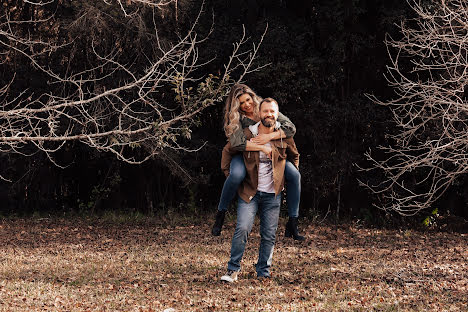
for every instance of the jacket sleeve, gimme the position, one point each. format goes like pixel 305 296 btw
pixel 238 141
pixel 288 127
pixel 226 157
pixel 292 153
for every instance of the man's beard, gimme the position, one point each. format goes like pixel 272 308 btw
pixel 268 122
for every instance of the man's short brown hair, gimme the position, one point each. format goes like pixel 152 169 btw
pixel 268 100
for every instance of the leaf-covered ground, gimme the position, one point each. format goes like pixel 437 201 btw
pixel 79 265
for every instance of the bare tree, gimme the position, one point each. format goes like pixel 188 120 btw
pixel 134 107
pixel 429 74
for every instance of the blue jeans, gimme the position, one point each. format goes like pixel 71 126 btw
pixel 269 206
pixel 237 174
pixel 292 177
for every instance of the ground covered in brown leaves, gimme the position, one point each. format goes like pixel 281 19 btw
pixel 80 265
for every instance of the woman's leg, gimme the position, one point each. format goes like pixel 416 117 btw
pixel 293 189
pixel 293 197
pixel 236 175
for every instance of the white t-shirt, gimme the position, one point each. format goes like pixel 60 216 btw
pixel 265 174
pixel 265 167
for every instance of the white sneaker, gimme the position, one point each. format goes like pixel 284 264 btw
pixel 230 276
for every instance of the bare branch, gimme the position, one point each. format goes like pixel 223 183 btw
pixel 429 74
pixel 132 108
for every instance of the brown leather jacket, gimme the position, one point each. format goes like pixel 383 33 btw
pixel 282 150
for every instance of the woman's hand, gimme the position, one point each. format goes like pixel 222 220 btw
pixel 267 150
pixel 261 139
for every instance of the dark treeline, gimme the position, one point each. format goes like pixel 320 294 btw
pixel 324 57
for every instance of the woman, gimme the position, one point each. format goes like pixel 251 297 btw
pixel 241 111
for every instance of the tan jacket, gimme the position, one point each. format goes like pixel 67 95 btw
pixel 282 150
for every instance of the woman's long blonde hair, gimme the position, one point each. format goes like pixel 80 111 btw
pixel 232 112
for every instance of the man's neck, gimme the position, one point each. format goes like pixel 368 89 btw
pixel 265 130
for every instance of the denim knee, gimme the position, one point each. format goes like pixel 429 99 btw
pixel 243 231
pixel 241 234
pixel 237 176
pixel 237 170
pixel 269 236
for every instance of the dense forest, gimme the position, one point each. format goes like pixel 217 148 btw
pixel 319 59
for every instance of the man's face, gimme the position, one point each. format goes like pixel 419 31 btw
pixel 269 114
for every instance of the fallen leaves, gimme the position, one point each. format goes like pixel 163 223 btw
pixel 76 266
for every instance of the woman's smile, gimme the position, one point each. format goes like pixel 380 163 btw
pixel 246 104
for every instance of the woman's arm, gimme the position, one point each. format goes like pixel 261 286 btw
pixel 238 141
pixel 267 137
pixel 251 146
pixel 288 127
pixel 287 130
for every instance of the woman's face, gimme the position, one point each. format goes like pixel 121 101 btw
pixel 246 104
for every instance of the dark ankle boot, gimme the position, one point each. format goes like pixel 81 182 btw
pixel 291 230
pixel 216 230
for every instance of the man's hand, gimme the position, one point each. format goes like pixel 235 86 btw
pixel 267 150
pixel 261 139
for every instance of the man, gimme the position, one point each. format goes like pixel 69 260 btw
pixel 261 190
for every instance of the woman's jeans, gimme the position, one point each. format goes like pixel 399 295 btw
pixel 268 206
pixel 237 174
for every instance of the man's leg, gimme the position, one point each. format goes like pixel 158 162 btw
pixel 245 218
pixel 269 206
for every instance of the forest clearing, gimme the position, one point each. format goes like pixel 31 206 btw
pixel 82 265
pixel 111 107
